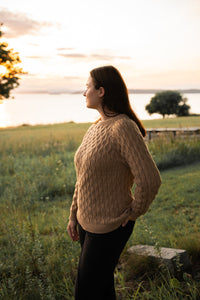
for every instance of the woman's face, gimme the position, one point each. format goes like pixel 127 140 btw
pixel 93 96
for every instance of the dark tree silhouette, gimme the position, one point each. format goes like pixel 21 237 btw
pixel 9 69
pixel 168 103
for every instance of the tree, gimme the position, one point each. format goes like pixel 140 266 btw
pixel 183 110
pixel 9 69
pixel 168 103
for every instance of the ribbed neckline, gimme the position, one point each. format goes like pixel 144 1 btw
pixel 110 120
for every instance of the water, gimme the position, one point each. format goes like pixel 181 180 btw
pixel 48 109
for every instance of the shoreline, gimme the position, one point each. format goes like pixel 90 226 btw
pixel 148 123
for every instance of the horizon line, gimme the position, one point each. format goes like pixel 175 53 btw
pixel 130 91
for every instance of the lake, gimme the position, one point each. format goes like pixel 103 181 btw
pixel 48 109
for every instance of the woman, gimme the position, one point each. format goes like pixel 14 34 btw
pixel 111 159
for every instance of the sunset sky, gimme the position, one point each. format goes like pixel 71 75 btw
pixel 154 43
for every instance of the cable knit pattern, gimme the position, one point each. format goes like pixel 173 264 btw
pixel 111 159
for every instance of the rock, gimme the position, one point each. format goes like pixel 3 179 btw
pixel 174 259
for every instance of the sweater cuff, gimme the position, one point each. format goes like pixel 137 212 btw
pixel 135 213
pixel 72 217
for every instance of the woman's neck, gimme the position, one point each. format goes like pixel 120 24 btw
pixel 107 114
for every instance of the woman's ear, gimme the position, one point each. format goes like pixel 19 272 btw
pixel 101 91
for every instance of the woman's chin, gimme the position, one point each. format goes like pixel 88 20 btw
pixel 88 106
pixel 91 106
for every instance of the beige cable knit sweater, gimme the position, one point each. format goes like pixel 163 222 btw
pixel 111 159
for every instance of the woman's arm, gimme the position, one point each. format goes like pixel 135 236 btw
pixel 72 224
pixel 146 175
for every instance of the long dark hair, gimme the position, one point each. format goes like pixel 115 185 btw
pixel 116 97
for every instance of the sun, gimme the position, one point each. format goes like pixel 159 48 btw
pixel 3 70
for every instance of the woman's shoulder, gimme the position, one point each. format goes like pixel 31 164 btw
pixel 124 123
pixel 126 130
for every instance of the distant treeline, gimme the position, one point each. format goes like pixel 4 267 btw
pixel 154 91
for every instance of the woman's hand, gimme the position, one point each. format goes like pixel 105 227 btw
pixel 72 230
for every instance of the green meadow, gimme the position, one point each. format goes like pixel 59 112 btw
pixel 181 122
pixel 37 177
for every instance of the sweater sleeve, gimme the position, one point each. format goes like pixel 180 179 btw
pixel 145 173
pixel 73 208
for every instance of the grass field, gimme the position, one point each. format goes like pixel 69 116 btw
pixel 37 177
pixel 181 122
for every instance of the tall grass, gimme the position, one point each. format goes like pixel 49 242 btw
pixel 169 151
pixel 37 178
pixel 36 264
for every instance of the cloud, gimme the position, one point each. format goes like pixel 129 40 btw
pixel 65 49
pixel 73 77
pixel 35 45
pixel 37 57
pixel 19 24
pixel 96 56
pixel 108 57
pixel 32 84
pixel 73 55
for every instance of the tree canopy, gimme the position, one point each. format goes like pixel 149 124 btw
pixel 9 69
pixel 168 103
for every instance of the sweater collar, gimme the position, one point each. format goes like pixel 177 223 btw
pixel 110 120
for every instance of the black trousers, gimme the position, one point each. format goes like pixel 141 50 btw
pixel 98 259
